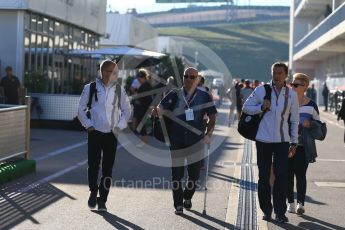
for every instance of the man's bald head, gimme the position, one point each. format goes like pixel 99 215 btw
pixel 191 71
pixel 190 78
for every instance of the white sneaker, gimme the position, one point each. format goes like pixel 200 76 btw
pixel 291 208
pixel 300 209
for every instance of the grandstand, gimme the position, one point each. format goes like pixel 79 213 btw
pixel 196 16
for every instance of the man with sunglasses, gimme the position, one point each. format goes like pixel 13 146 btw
pixel 109 111
pixel 277 137
pixel 186 108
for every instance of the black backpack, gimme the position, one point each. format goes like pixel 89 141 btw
pixel 248 125
pixel 93 92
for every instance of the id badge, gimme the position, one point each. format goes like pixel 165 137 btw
pixel 189 115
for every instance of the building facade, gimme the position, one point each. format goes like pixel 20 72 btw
pixel 317 41
pixel 37 38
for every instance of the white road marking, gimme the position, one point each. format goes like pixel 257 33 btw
pixel 331 160
pixel 42 181
pixel 331 184
pixel 48 178
pixel 59 151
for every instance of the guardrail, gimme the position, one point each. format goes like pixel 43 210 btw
pixel 15 130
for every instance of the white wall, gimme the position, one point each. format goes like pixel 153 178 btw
pixel 126 29
pixel 12 42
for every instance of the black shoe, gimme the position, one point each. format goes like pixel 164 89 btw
pixel 179 210
pixel 92 200
pixel 267 217
pixel 281 219
pixel 101 205
pixel 187 204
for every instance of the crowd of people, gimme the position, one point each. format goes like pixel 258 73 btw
pixel 104 110
pixel 285 140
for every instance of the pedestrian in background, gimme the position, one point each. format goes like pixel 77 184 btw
pixel 311 92
pixel 275 137
pixel 231 93
pixel 11 86
pixel 142 102
pixel 239 103
pixel 246 91
pixel 325 93
pixel 109 113
pixel 299 161
pixel 341 114
pixel 187 106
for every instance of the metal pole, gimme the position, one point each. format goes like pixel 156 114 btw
pixel 206 177
pixel 27 128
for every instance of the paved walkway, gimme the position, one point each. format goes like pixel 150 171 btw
pixel 55 197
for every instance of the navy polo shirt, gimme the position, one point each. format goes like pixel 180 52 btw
pixel 201 103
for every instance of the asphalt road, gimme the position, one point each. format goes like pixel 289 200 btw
pixel 55 197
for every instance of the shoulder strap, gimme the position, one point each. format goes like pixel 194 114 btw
pixel 268 90
pixel 118 95
pixel 91 93
pixel 268 93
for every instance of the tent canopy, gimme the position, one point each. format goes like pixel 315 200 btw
pixel 131 56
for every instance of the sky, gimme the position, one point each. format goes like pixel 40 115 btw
pixel 144 6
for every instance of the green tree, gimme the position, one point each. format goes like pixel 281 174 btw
pixel 171 66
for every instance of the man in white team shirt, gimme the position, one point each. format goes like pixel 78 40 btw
pixel 277 136
pixel 109 113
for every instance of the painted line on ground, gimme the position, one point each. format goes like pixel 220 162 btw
pixel 333 122
pixel 330 184
pixel 232 208
pixel 41 181
pixel 330 160
pixel 59 151
pixel 46 179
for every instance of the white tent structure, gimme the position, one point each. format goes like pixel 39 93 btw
pixel 127 56
pixel 212 73
pixel 127 29
pixel 122 51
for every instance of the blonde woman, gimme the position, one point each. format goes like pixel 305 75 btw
pixel 298 162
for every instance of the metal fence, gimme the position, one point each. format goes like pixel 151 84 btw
pixel 15 130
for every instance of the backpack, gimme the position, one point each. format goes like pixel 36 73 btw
pixel 248 125
pixel 93 91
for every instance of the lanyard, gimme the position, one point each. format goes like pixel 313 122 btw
pixel 275 92
pixel 190 100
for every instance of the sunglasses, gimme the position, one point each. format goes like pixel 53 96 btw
pixel 295 85
pixel 191 77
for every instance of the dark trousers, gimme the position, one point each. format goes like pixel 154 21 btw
pixel 279 151
pixel 344 132
pixel 99 142
pixel 193 156
pixel 297 166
